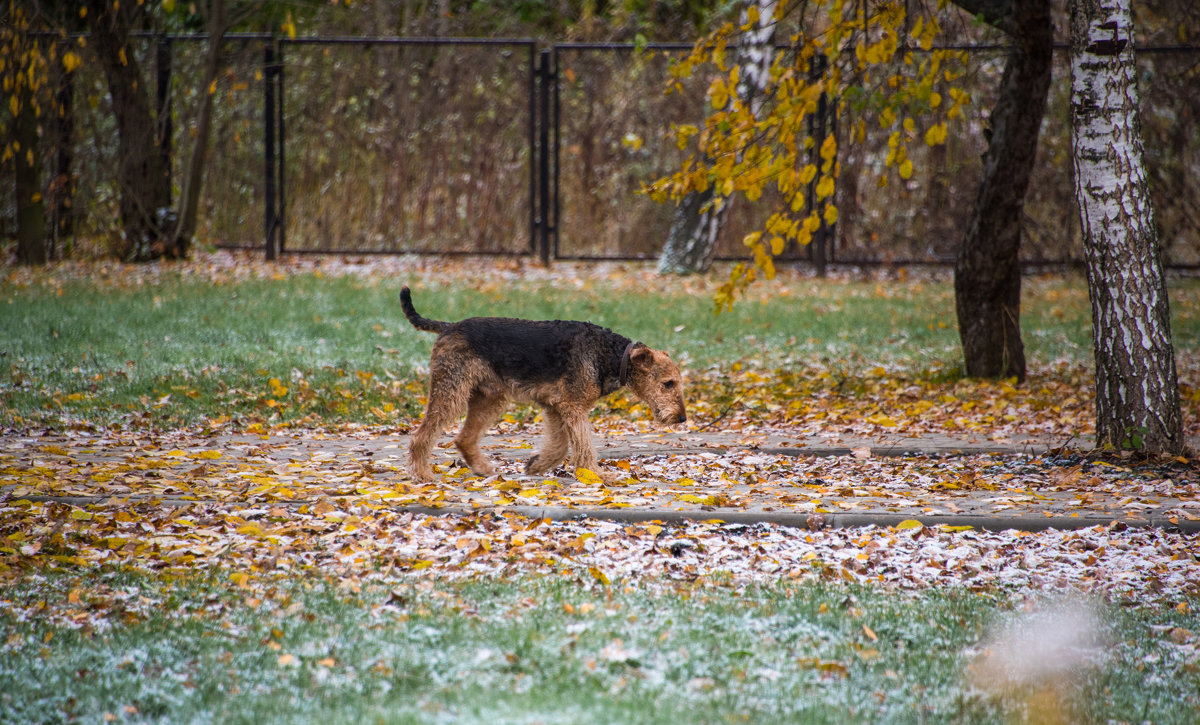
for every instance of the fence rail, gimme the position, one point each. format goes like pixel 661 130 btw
pixel 508 146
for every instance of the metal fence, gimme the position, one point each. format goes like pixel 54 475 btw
pixel 509 147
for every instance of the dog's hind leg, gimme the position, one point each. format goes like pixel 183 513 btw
pixel 554 447
pixel 482 411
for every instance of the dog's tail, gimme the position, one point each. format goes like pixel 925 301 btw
pixel 421 323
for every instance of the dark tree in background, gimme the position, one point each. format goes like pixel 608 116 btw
pixel 143 176
pixel 987 273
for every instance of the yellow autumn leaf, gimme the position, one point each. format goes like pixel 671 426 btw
pixel 209 455
pixel 906 169
pixel 883 420
pixel 831 214
pixel 936 134
pixel 588 477
pixel 825 187
pixel 910 524
pixel 717 94
pixel 829 147
pixel 599 575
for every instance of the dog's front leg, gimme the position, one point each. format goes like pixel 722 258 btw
pixel 554 448
pixel 583 452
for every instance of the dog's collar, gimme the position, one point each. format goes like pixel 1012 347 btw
pixel 623 373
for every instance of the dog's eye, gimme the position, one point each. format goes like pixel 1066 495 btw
pixel 669 384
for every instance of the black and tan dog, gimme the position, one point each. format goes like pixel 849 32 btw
pixel 481 363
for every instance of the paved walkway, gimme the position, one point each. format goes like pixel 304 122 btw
pixel 803 481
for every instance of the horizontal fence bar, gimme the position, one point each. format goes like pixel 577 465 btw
pixel 618 46
pixel 387 252
pixel 401 40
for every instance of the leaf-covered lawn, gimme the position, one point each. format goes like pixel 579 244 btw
pixel 202 484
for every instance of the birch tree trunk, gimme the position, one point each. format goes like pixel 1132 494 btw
pixel 692 241
pixel 1137 391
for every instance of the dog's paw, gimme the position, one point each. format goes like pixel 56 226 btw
pixel 535 466
pixel 483 469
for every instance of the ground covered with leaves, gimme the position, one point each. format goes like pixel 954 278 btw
pixel 260 470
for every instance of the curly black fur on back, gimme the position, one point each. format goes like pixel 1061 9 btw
pixel 534 350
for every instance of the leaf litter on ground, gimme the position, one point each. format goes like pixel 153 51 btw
pixel 264 496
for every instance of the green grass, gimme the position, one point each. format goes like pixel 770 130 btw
pixel 541 650
pixel 341 348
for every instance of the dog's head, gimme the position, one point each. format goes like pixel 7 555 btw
pixel 655 379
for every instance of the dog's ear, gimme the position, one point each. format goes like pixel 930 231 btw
pixel 641 356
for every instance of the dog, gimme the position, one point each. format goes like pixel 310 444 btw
pixel 480 364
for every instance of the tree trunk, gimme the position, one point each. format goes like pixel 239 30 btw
pixel 1137 391
pixel 27 170
pixel 143 178
pixel 987 274
pixel 61 196
pixel 695 230
pixel 193 177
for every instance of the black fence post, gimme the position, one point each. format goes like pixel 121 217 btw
pixel 819 128
pixel 281 148
pixel 555 165
pixel 545 223
pixel 272 151
pixel 166 129
pixel 534 72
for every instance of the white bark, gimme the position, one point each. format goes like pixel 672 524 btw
pixel 1137 392
pixel 692 241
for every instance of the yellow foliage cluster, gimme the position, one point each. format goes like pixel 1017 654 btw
pixel 873 58
pixel 28 62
